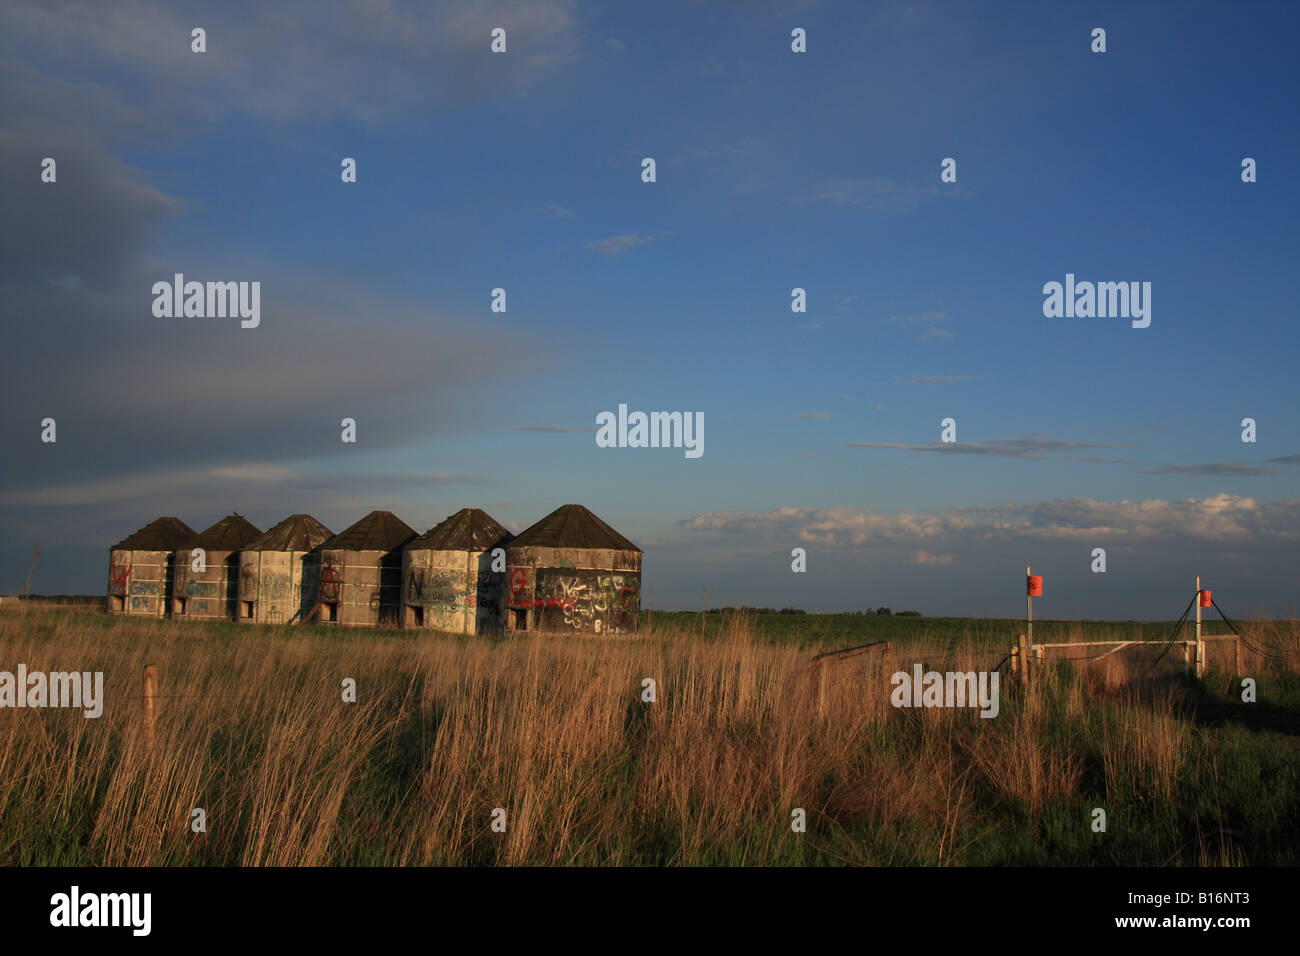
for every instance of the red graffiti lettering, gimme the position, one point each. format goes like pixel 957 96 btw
pixel 329 583
pixel 118 575
pixel 519 581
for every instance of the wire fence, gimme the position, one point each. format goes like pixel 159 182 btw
pixel 1038 651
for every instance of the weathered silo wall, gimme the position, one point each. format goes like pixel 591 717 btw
pixel 573 572
pixel 209 592
pixel 361 572
pixel 448 579
pixel 204 594
pixel 574 589
pixel 277 587
pixel 139 582
pixel 360 588
pixel 279 572
pixel 442 589
pixel 140 570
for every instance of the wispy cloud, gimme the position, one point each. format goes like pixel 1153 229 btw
pixel 925 557
pixel 377 58
pixel 1286 460
pixel 182 488
pixel 559 212
pixel 553 428
pixel 1020 447
pixel 812 415
pixel 936 380
pixel 930 325
pixel 900 382
pixel 921 318
pixel 1214 469
pixel 873 195
pixel 617 245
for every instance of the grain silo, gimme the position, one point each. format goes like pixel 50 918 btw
pixel 206 584
pixel 447 577
pixel 279 572
pixel 361 572
pixel 573 572
pixel 139 568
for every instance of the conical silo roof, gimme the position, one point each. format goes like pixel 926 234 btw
pixel 572 526
pixel 294 533
pixel 161 534
pixel 377 531
pixel 469 529
pixel 229 534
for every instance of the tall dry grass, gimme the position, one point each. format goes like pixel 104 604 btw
pixel 552 729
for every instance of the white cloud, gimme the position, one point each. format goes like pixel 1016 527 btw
pixel 925 557
pixel 929 335
pixel 617 245
pixel 1220 518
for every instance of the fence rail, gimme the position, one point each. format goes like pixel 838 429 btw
pixel 1026 652
pixel 828 657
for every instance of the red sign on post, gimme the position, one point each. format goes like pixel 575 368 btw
pixel 1035 585
pixel 1206 599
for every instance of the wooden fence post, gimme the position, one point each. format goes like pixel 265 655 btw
pixel 1025 655
pixel 1029 607
pixel 1200 645
pixel 150 692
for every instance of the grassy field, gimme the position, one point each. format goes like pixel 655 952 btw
pixel 843 630
pixel 552 729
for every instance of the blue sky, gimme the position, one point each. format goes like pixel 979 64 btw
pixel 775 170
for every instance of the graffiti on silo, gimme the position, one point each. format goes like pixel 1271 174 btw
pixel 578 599
pixel 202 589
pixel 118 575
pixel 330 582
pixel 432 587
pixel 487 592
pixel 521 586
pixel 267 585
